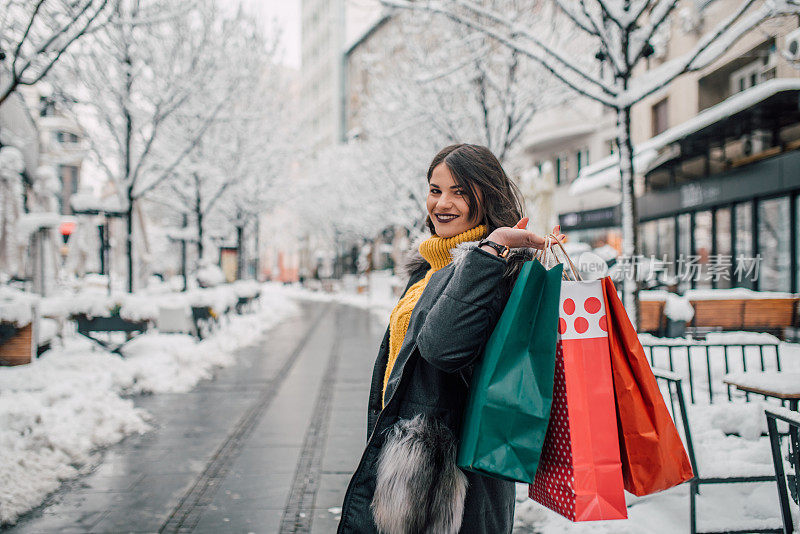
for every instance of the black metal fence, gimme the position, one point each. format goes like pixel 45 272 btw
pixel 704 364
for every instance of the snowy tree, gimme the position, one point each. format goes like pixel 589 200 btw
pixel 35 34
pixel 229 175
pixel 447 86
pixel 133 80
pixel 11 168
pixel 419 83
pixel 622 32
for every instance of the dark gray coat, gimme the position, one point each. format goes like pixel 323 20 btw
pixel 407 480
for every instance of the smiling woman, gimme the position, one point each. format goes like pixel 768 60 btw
pixel 407 480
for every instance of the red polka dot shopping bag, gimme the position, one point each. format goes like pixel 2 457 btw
pixel 580 474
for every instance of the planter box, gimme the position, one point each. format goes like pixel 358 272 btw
pixel 18 346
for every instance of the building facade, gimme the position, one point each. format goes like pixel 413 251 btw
pixel 717 202
pixel 322 40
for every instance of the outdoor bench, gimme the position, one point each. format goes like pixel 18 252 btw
pixel 87 326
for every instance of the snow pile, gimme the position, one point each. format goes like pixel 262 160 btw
pixel 16 306
pixel 58 410
pixel 94 301
pixel 735 293
pixel 210 275
pixel 678 308
pixel 779 382
pixel 53 413
pixel 717 294
pixel 246 288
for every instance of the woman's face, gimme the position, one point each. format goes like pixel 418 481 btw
pixel 447 204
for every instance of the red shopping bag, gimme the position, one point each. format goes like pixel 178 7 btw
pixel 580 474
pixel 652 454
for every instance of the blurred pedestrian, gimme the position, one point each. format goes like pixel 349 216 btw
pixel 460 278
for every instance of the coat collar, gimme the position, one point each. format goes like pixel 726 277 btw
pixel 414 261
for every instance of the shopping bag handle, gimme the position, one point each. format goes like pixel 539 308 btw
pixel 548 245
pixel 541 255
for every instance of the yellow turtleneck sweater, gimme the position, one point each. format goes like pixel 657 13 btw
pixel 436 251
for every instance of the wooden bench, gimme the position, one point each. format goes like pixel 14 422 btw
pixel 727 314
pixel 759 315
pixel 772 315
pixel 652 315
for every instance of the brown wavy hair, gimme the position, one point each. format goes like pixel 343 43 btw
pixel 475 168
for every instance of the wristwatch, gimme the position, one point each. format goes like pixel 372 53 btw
pixel 502 250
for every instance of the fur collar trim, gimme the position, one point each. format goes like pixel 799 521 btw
pixel 414 260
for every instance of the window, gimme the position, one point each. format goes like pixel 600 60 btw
pixel 702 247
pixel 744 239
pixel 659 117
pixel 70 176
pixel 684 249
pixel 774 235
pixel 753 73
pixel 66 137
pixel 47 107
pixel 581 160
pixel 558 170
pixel 723 247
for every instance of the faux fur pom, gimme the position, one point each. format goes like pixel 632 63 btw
pixel 419 487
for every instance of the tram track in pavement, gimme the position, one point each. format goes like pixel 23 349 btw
pixel 298 513
pixel 191 506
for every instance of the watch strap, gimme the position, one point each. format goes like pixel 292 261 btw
pixel 502 250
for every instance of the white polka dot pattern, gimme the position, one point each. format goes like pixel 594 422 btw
pixel 553 485
pixel 582 313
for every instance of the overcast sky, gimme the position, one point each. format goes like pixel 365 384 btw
pixel 287 15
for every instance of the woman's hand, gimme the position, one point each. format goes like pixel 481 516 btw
pixel 518 236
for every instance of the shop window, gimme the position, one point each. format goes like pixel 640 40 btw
pixel 684 251
pixel 659 117
pixel 797 237
pixel 666 239
pixel 773 235
pixel 701 277
pixel 649 233
pixel 744 240
pixel 723 270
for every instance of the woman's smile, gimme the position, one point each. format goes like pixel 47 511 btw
pixel 444 218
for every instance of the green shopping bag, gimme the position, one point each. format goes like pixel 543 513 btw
pixel 508 409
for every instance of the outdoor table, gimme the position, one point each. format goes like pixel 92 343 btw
pixel 776 384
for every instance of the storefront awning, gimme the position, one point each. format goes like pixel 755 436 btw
pixel 605 173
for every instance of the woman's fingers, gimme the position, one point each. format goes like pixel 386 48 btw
pixel 523 223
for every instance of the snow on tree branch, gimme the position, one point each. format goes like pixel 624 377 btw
pixel 37 35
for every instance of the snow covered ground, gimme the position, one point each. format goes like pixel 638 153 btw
pixel 56 412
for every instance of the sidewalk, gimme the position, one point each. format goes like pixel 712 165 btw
pixel 267 446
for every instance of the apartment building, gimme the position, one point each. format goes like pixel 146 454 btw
pixel 725 182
